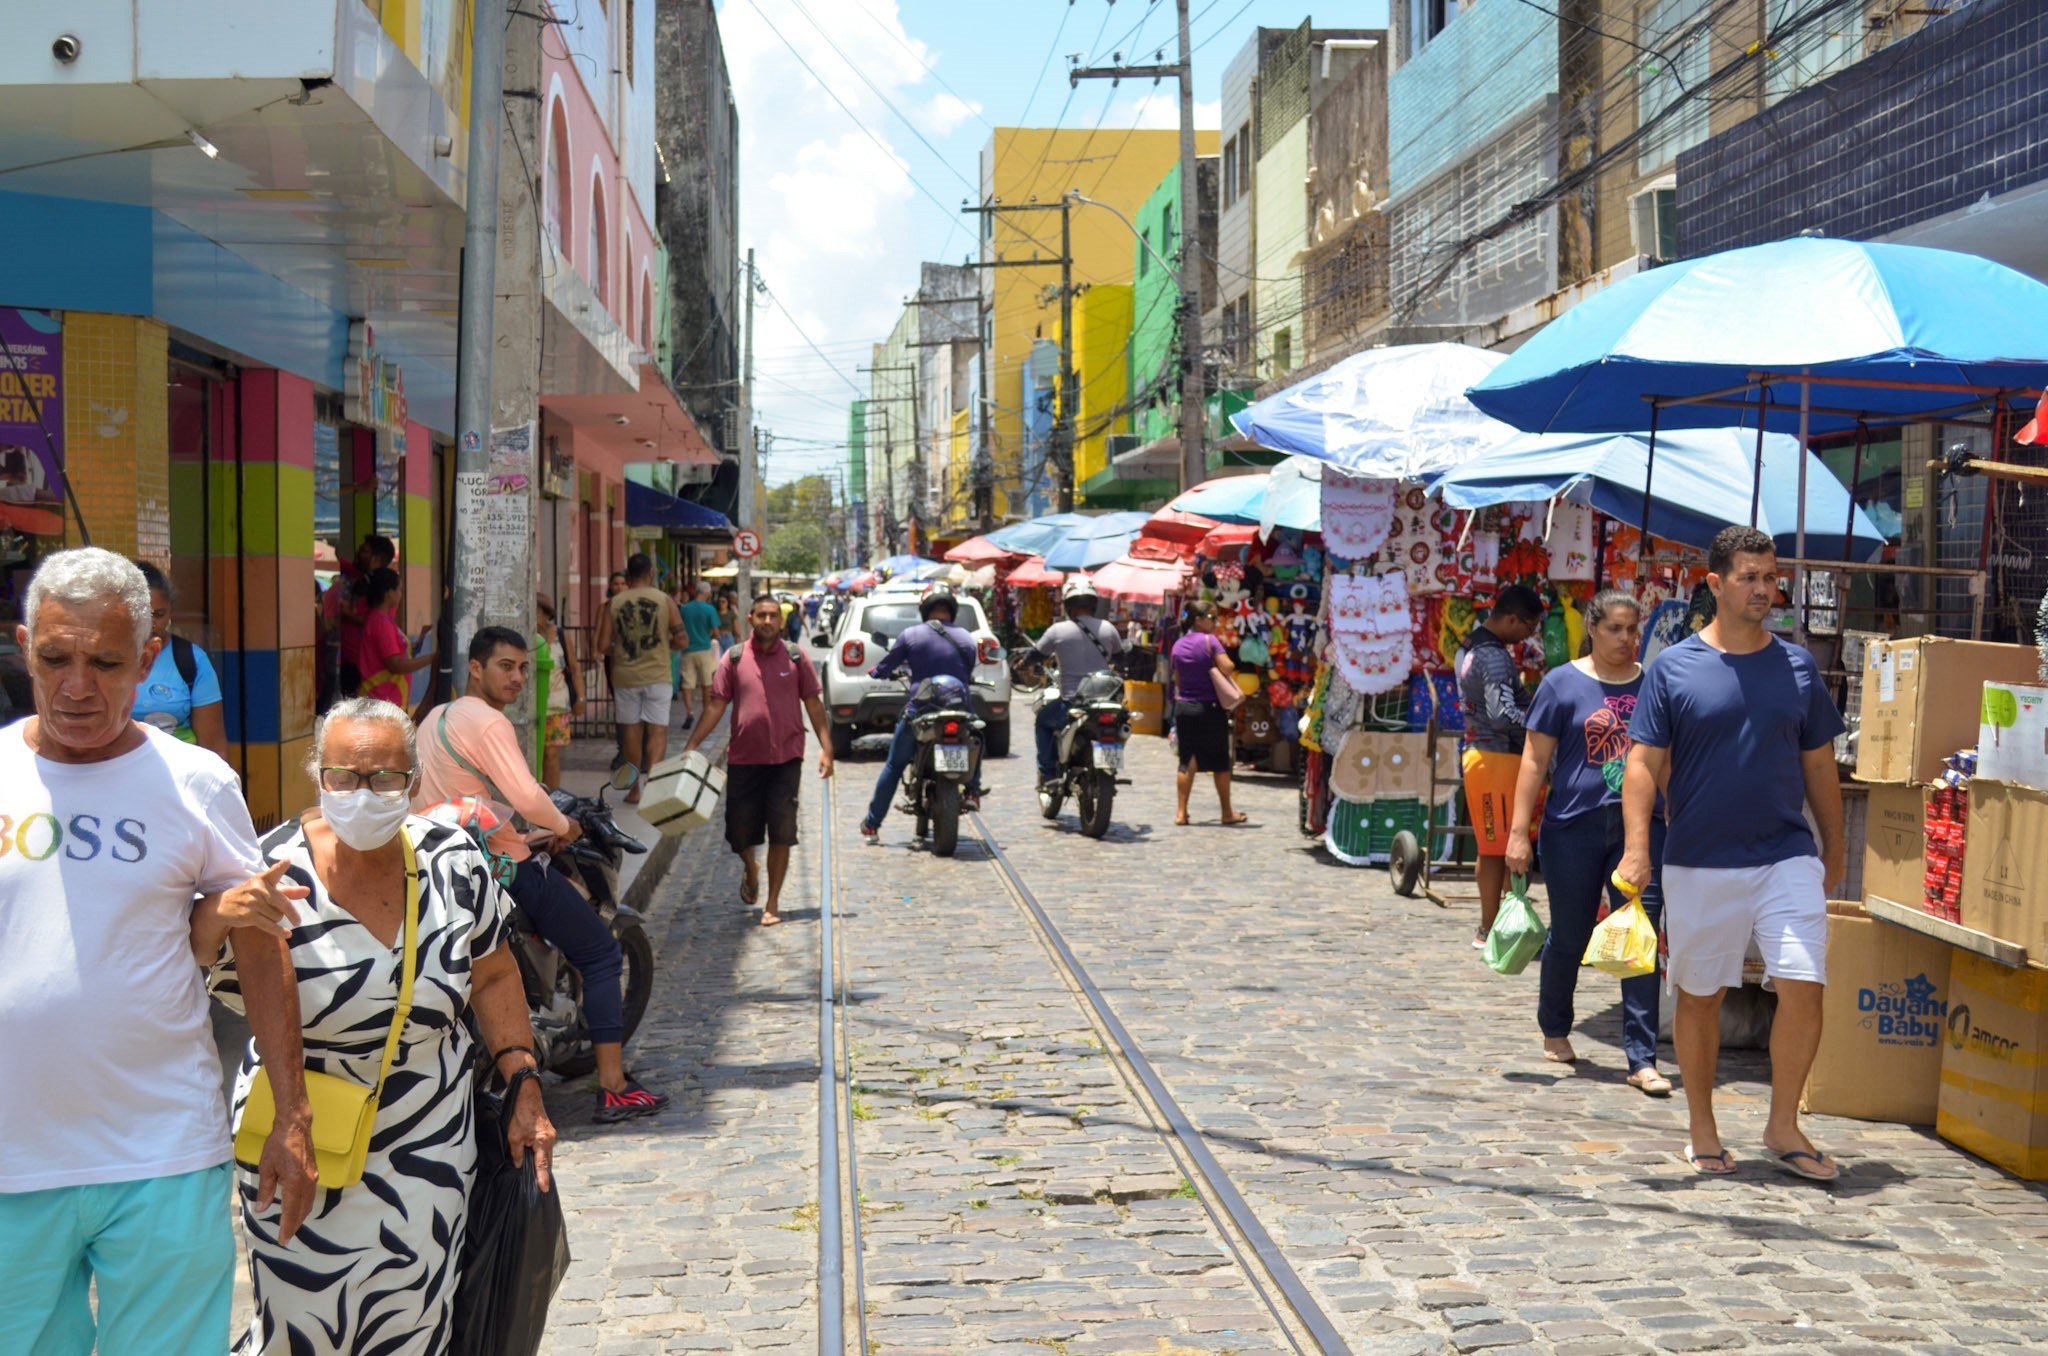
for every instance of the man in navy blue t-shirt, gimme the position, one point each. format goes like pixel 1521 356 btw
pixel 1736 727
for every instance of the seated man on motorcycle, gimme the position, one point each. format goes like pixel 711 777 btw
pixel 936 648
pixel 469 748
pixel 1081 645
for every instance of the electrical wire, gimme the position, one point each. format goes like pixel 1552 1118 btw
pixel 887 102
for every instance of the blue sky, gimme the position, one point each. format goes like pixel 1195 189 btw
pixel 851 171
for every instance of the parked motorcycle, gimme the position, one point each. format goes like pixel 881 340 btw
pixel 948 754
pixel 1090 747
pixel 554 990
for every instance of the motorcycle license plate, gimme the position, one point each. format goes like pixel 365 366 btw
pixel 950 758
pixel 1109 757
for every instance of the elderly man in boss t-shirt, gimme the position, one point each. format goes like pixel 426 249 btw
pixel 1736 727
pixel 115 1169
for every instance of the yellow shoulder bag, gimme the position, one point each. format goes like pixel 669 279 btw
pixel 343 1111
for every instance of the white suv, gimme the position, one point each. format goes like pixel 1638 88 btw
pixel 863 705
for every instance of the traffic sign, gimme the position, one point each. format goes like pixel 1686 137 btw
pixel 746 543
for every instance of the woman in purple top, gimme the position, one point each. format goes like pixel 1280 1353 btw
pixel 1199 721
pixel 1578 741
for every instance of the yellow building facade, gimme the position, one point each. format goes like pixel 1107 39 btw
pixel 1027 166
pixel 1102 348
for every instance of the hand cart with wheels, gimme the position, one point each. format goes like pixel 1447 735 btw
pixel 1411 867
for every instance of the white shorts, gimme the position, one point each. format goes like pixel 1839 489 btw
pixel 647 705
pixel 1710 914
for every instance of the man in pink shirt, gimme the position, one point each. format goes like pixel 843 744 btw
pixel 770 687
pixel 469 748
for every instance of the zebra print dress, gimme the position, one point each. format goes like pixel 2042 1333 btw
pixel 373 1269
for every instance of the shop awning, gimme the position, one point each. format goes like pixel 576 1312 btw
pixel 649 507
pixel 1032 574
pixel 1114 488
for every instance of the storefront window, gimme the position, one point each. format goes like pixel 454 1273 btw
pixel 327 485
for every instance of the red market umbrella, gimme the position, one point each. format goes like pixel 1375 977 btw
pixel 979 551
pixel 1032 574
pixel 2036 429
pixel 1229 537
pixel 1174 524
pixel 1131 580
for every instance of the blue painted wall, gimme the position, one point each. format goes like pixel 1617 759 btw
pixel 1489 64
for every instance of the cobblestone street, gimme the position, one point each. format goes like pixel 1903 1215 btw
pixel 1376 1093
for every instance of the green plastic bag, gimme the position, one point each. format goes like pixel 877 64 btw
pixel 1517 933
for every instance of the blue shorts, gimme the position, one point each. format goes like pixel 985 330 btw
pixel 162 1250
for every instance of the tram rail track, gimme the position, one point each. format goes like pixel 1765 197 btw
pixel 1299 1318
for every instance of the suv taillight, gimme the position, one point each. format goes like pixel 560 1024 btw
pixel 988 651
pixel 852 654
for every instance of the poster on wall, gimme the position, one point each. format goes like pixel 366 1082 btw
pixel 32 412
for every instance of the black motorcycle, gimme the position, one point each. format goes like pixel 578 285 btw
pixel 1091 753
pixel 948 755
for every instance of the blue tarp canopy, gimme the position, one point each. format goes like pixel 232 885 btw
pixel 1701 482
pixel 906 567
pixel 1290 495
pixel 1036 536
pixel 649 507
pixel 1876 331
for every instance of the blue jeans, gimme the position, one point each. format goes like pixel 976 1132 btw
pixel 902 753
pixel 560 913
pixel 1052 718
pixel 161 1249
pixel 1579 854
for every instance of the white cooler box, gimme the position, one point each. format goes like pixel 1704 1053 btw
pixel 681 793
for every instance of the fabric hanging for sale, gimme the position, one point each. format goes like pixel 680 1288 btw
pixel 1356 514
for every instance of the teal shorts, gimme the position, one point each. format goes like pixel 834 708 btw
pixel 162 1251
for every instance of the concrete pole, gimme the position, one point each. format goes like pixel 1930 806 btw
pixel 469 550
pixel 1193 415
pixel 748 517
pixel 1070 387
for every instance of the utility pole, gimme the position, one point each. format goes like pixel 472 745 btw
pixel 889 450
pixel 1193 415
pixel 984 477
pixel 748 470
pixel 473 346
pixel 1062 449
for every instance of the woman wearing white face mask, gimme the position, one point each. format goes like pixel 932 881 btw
pixel 343 1282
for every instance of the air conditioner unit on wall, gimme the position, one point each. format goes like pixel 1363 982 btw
pixel 1653 220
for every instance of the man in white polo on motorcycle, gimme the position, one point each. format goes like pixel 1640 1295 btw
pixel 1081 645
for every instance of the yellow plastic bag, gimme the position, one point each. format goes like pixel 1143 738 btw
pixel 1624 944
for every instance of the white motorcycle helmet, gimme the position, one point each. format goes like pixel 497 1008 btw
pixel 1078 586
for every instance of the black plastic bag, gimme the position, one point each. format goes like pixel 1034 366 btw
pixel 515 1248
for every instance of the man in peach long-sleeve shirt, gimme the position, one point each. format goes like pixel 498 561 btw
pixel 469 748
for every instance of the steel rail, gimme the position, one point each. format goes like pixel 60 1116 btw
pixel 1306 1310
pixel 831 1239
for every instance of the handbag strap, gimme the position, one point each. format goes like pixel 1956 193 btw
pixel 408 965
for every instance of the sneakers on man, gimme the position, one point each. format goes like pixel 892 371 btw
pixel 871 833
pixel 633 1101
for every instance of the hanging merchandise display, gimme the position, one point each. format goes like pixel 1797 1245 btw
pixel 1570 542
pixel 1371 638
pixel 1356 514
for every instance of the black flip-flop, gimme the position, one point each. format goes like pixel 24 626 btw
pixel 1790 1163
pixel 749 895
pixel 1699 1162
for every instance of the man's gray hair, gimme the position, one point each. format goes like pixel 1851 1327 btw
pixel 86 575
pixel 703 588
pixel 371 710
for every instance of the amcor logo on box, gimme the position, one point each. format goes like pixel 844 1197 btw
pixel 1964 1034
pixel 1903 1014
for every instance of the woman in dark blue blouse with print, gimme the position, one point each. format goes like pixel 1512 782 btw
pixel 1578 742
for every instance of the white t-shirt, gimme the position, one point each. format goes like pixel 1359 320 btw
pixel 108 1071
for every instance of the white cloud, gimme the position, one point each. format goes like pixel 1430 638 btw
pixel 946 112
pixel 1159 109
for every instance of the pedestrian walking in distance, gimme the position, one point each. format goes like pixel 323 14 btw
pixel 637 629
pixel 1737 728
pixel 700 651
pixel 771 688
pixel 114 1154
pixel 1495 708
pixel 1578 744
pixel 376 1268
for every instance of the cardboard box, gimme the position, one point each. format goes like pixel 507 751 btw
pixel 1909 718
pixel 2005 867
pixel 1883 1021
pixel 1147 702
pixel 1895 844
pixel 1994 1065
pixel 2012 735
